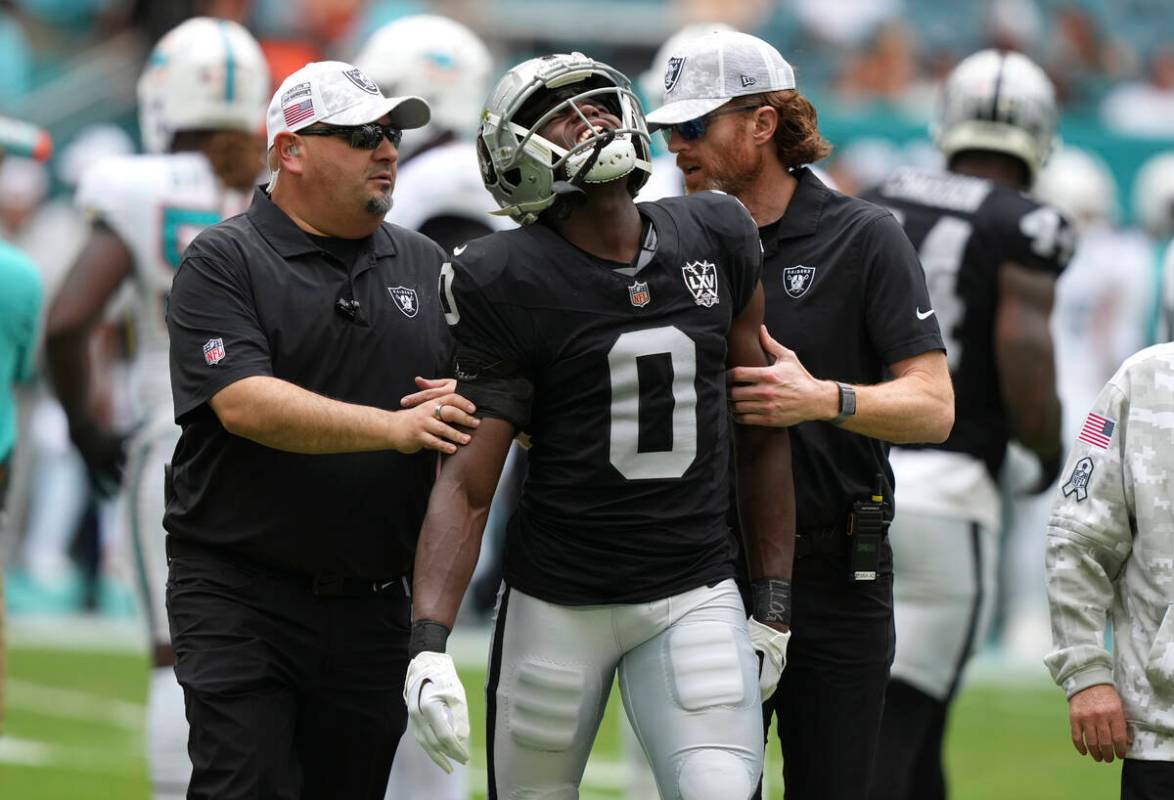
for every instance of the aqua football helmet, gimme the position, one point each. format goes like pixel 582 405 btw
pixel 435 58
pixel 204 74
pixel 526 173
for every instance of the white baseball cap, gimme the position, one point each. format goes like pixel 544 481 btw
pixel 337 93
pixel 708 71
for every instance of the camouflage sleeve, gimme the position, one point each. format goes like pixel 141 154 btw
pixel 1088 543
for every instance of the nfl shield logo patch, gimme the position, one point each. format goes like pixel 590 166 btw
pixel 405 299
pixel 701 278
pixel 672 73
pixel 797 280
pixel 214 352
pixel 639 295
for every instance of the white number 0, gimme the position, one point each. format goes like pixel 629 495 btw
pixel 624 432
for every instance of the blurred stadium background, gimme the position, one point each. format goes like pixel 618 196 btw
pixel 76 654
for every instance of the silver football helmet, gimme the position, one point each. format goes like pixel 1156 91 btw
pixel 524 172
pixel 1153 195
pixel 999 101
pixel 204 74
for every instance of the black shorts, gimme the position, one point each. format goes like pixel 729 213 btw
pixel 289 694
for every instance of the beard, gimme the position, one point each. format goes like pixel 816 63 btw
pixel 731 170
pixel 379 205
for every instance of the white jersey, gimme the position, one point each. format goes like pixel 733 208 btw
pixel 443 181
pixel 1104 301
pixel 156 204
pixel 1166 311
pixel 666 180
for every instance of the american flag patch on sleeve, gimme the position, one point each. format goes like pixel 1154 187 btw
pixel 1097 431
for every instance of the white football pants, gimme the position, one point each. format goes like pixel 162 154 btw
pixel 688 679
pixel 167 727
pixel 944 571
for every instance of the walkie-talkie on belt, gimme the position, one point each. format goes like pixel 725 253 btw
pixel 866 529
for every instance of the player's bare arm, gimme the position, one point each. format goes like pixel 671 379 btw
pixel 103 264
pixel 283 416
pixel 917 405
pixel 765 486
pixel 1025 357
pixel 450 539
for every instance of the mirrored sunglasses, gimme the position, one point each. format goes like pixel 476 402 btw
pixel 360 137
pixel 693 129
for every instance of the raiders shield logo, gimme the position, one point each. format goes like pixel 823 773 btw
pixel 639 295
pixel 797 280
pixel 405 299
pixel 357 77
pixel 701 278
pixel 672 73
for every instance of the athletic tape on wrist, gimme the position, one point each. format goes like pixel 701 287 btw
pixel 772 600
pixel 427 636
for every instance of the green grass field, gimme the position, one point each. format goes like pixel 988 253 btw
pixel 74 730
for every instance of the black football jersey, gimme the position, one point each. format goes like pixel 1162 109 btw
pixel 618 376
pixel 965 229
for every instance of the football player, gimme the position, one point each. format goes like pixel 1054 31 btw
pixel 1104 304
pixel 991 255
pixel 202 99
pixel 603 330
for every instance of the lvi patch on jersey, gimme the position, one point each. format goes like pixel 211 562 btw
pixel 214 352
pixel 797 280
pixel 405 299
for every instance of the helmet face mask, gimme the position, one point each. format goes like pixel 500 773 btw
pixel 205 74
pixel 521 168
pixel 1000 102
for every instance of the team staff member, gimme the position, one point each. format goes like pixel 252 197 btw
pixel 1109 542
pixel 295 327
pixel 845 291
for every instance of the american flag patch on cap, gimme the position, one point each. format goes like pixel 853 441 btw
pixel 1097 431
pixel 296 113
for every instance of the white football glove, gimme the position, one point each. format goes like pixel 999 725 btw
pixel 437 708
pixel 772 644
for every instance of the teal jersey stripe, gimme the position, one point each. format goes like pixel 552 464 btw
pixel 229 65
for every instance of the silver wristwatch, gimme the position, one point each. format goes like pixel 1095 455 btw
pixel 847 402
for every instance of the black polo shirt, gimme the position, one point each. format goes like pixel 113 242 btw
pixel 846 292
pixel 256 296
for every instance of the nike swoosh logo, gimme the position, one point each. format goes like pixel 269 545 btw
pixel 925 315
pixel 456 251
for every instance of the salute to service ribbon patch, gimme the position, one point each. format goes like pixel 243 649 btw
pixel 1097 431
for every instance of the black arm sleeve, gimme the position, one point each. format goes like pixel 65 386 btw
pixel 216 337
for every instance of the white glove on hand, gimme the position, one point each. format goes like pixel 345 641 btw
pixel 772 644
pixel 437 708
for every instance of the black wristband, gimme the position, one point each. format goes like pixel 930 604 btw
pixel 772 600
pixel 427 635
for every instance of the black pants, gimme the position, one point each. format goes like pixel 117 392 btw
pixel 1147 780
pixel 289 695
pixel 831 696
pixel 909 759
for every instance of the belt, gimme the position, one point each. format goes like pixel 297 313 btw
pixel 321 584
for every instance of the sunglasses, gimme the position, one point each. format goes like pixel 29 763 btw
pixel 360 137
pixel 693 129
